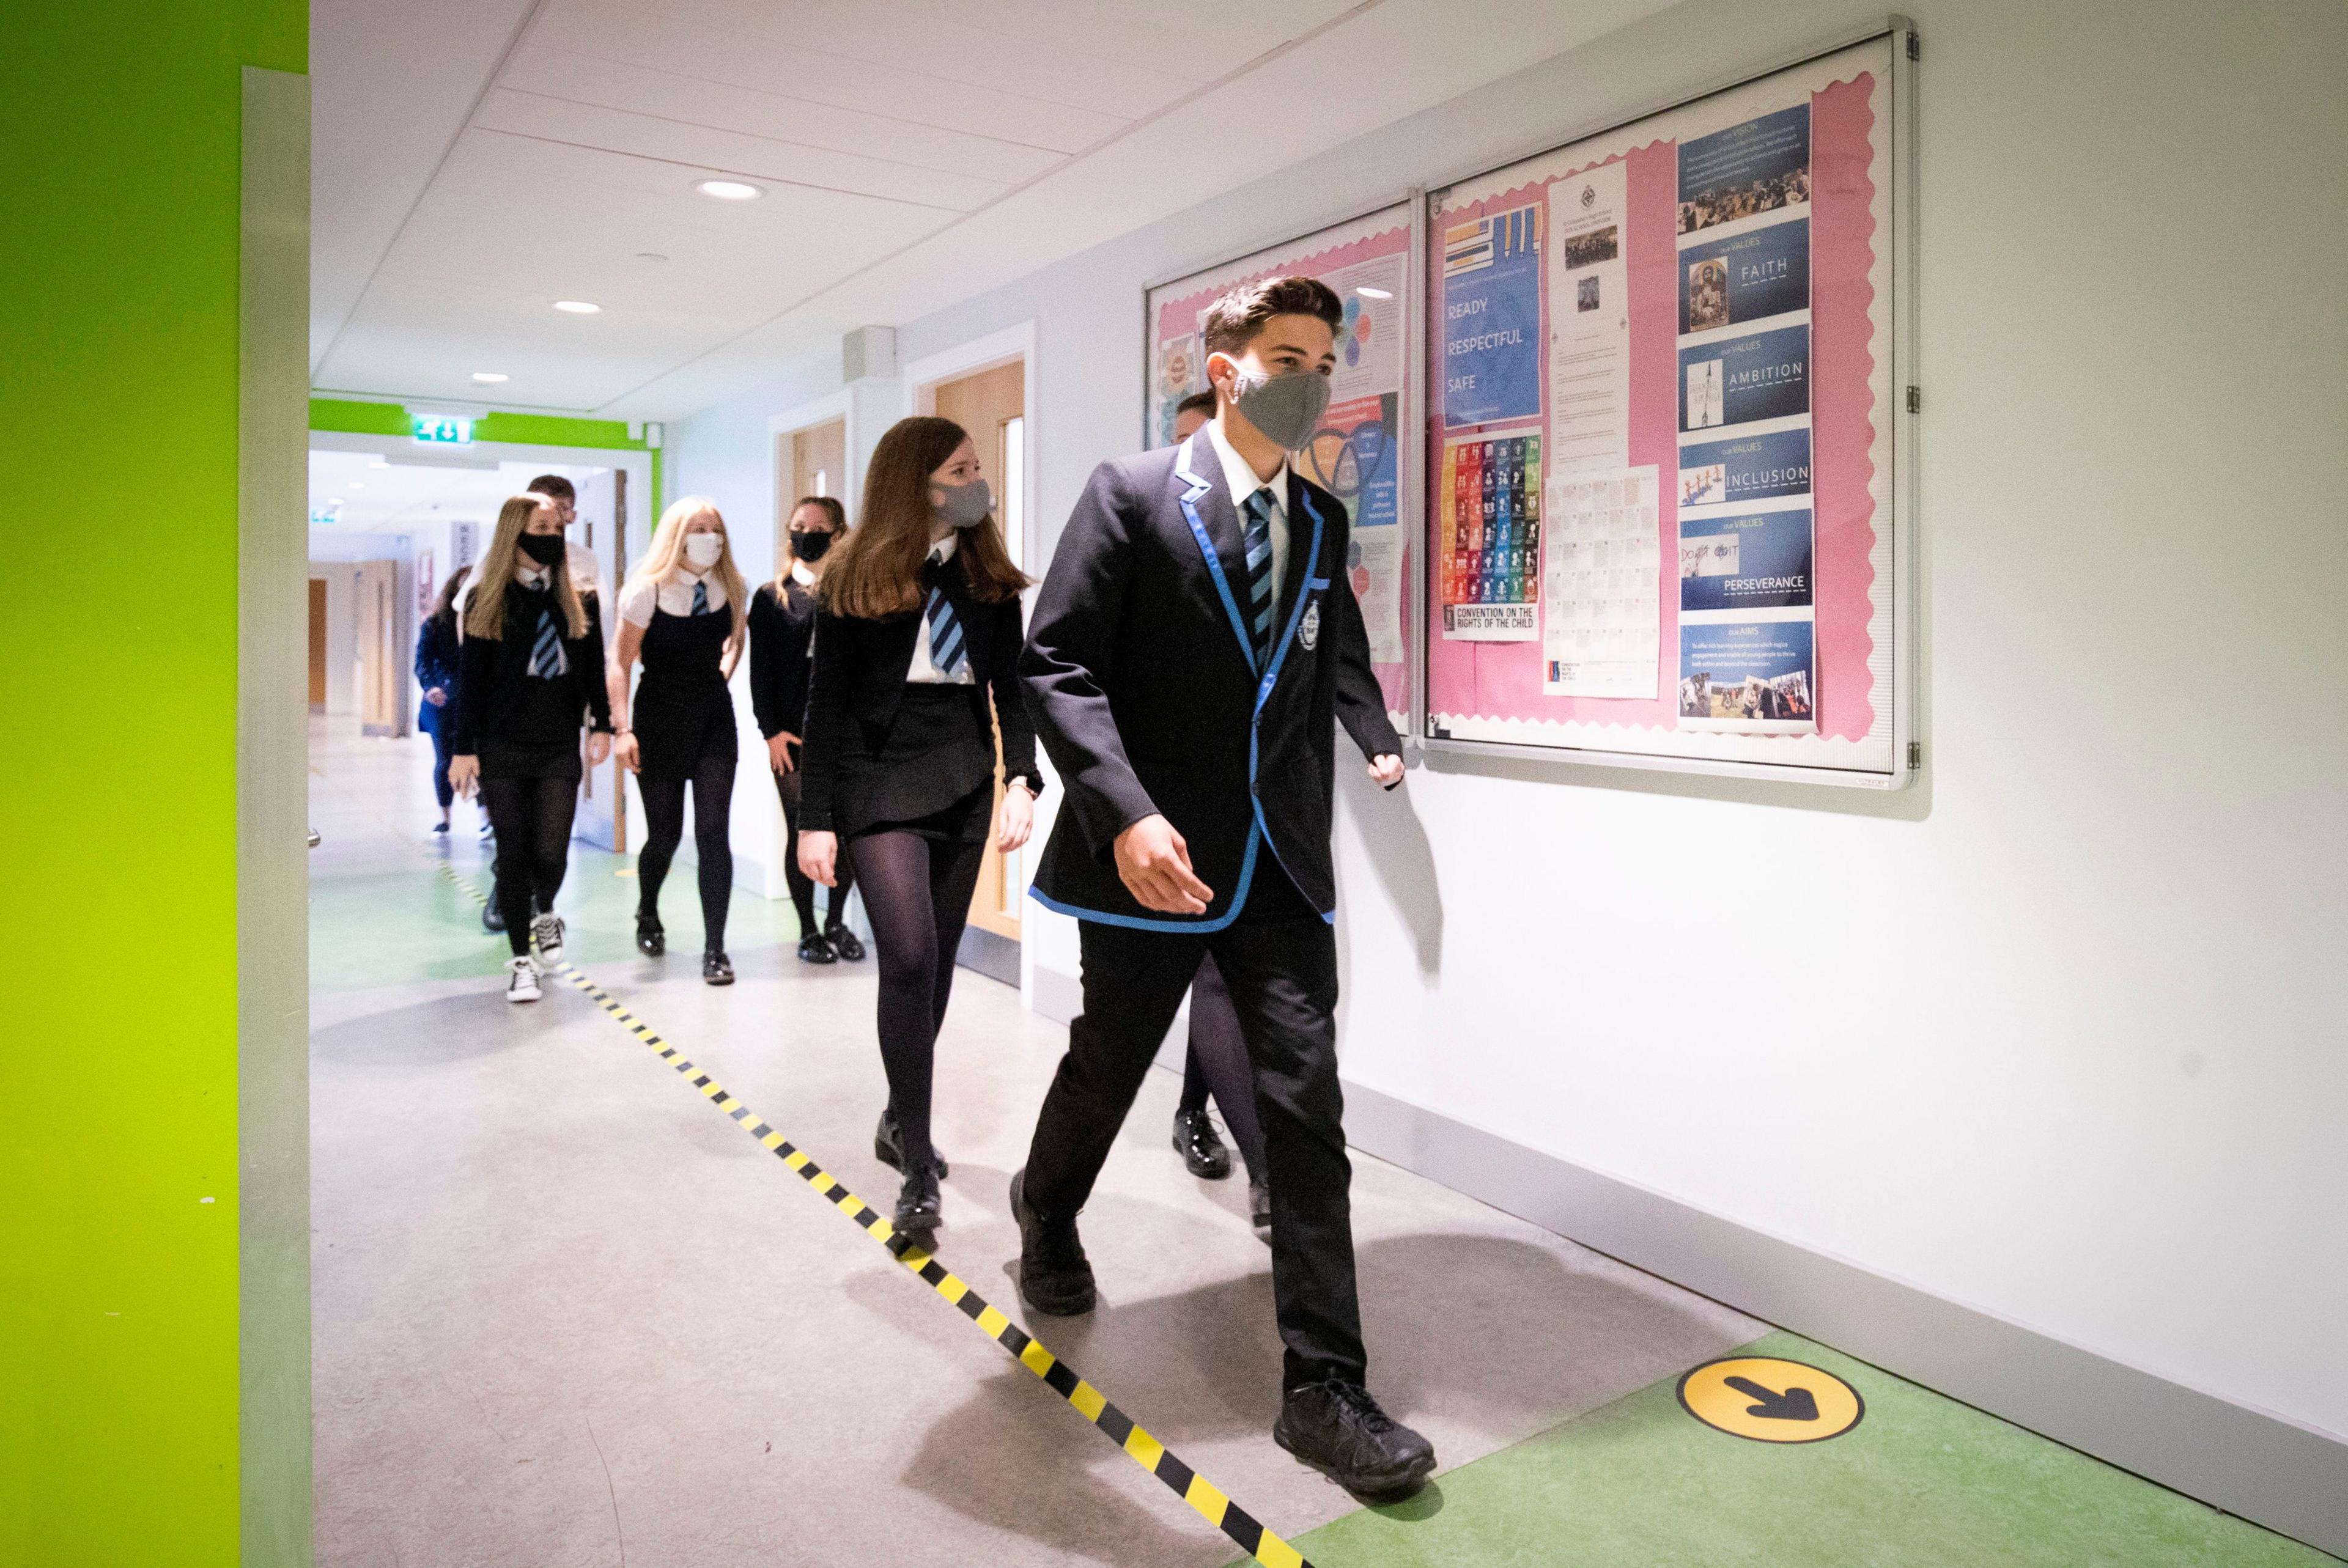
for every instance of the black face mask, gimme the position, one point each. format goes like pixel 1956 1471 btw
pixel 809 544
pixel 544 548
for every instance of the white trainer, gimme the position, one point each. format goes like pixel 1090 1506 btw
pixel 546 932
pixel 522 987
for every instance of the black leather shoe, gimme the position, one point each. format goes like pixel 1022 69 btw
pixel 1203 1149
pixel 1053 1274
pixel 715 969
pixel 650 941
pixel 843 942
pixel 1258 1205
pixel 814 950
pixel 889 1148
pixel 492 918
pixel 918 1203
pixel 1338 1430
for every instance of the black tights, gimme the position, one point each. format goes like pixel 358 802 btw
pixel 802 886
pixel 532 820
pixel 917 894
pixel 1218 1061
pixel 713 803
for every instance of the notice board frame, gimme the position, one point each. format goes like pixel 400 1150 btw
pixel 1406 211
pixel 1900 407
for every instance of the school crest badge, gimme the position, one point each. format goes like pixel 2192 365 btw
pixel 1308 631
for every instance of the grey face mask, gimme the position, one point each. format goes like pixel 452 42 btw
pixel 965 506
pixel 1286 408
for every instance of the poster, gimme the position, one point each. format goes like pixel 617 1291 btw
pixel 1745 379
pixel 1601 583
pixel 1714 331
pixel 1745 560
pixel 1489 553
pixel 1727 283
pixel 1750 468
pixel 1760 165
pixel 1754 676
pixel 1590 322
pixel 1491 319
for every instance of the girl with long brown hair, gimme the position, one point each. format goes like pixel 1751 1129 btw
pixel 530 673
pixel 919 625
pixel 438 651
pixel 782 629
pixel 682 611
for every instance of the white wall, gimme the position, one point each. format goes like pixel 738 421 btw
pixel 2064 1040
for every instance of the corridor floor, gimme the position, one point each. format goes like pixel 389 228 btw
pixel 566 1313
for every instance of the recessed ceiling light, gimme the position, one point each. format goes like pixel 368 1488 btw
pixel 492 377
pixel 578 307
pixel 1370 293
pixel 355 484
pixel 378 463
pixel 729 189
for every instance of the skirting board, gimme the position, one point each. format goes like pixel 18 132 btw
pixel 2262 1466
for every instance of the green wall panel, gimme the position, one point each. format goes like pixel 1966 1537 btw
pixel 118 259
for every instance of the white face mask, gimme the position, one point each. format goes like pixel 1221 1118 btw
pixel 703 549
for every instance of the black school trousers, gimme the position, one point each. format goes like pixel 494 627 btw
pixel 1279 961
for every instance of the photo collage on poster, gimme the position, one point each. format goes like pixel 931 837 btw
pixel 1488 552
pixel 1748 657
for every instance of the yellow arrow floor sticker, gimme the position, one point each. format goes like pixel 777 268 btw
pixel 1770 1400
pixel 1201 1494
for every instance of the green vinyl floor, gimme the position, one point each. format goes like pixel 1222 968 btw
pixel 1922 1479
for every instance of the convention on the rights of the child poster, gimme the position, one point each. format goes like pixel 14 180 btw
pixel 1488 559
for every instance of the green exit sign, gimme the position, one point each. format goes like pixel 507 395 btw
pixel 442 430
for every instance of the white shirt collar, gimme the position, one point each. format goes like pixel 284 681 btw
pixel 943 549
pixel 530 574
pixel 801 575
pixel 1242 478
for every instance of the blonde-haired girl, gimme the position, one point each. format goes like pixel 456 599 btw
pixel 683 613
pixel 529 673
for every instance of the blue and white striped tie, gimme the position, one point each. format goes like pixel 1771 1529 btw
pixel 547 660
pixel 1259 565
pixel 700 599
pixel 947 655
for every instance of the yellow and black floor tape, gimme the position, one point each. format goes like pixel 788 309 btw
pixel 1203 1496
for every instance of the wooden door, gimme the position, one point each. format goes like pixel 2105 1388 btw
pixel 991 406
pixel 317 645
pixel 379 686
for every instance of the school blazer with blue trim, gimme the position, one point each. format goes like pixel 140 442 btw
pixel 1144 688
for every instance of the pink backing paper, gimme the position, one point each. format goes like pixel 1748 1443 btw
pixel 1503 680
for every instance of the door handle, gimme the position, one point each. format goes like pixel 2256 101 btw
pixel 314 838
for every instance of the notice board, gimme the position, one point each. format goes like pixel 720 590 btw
pixel 1666 444
pixel 1361 454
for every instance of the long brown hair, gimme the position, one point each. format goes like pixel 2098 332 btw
pixel 444 607
pixel 877 569
pixel 485 612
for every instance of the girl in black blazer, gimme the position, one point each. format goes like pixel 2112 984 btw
pixel 918 627
pixel 438 651
pixel 530 671
pixel 782 625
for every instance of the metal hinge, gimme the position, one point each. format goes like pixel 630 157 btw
pixel 1915 400
pixel 1915 47
pixel 1915 755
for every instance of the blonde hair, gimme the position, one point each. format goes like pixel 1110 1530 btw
pixel 661 562
pixel 485 612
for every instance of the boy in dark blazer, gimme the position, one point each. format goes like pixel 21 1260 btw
pixel 1193 647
